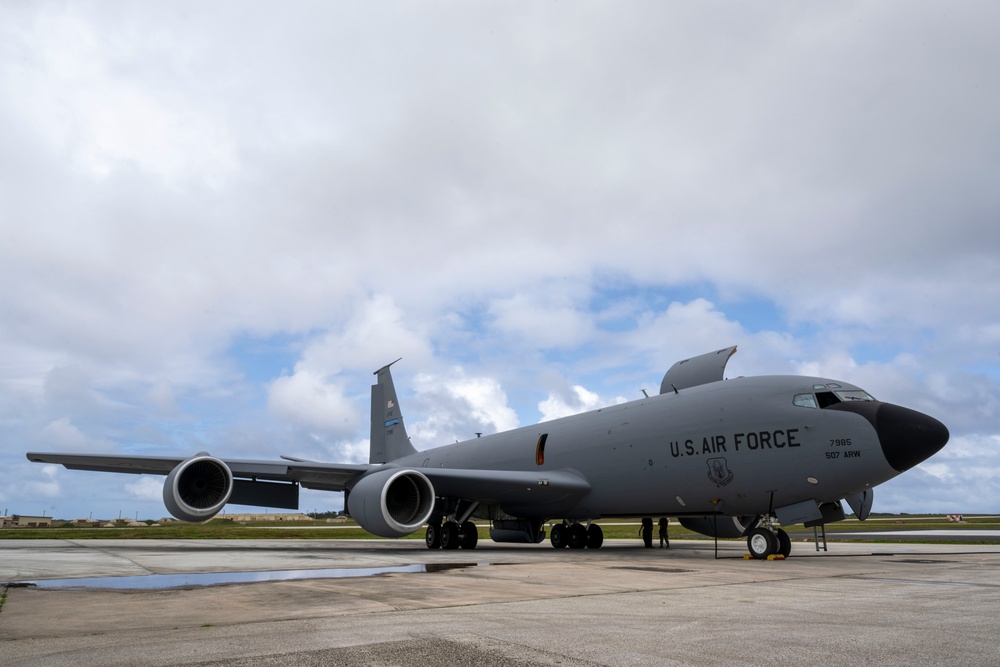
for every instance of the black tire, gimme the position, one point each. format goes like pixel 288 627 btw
pixel 784 543
pixel 433 536
pixel 595 536
pixel 577 536
pixel 450 538
pixel 558 536
pixel 761 543
pixel 469 535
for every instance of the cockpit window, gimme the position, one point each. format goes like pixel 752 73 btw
pixel 854 395
pixel 824 399
pixel 805 401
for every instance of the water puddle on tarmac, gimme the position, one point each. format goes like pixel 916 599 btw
pixel 163 581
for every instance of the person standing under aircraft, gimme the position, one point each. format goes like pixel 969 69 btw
pixel 664 537
pixel 647 532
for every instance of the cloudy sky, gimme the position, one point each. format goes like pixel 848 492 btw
pixel 217 219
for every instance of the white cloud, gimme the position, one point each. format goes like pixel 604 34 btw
pixel 62 435
pixel 106 117
pixel 172 182
pixel 378 333
pixel 579 399
pixel 313 400
pixel 145 488
pixel 356 452
pixel 47 487
pixel 962 475
pixel 684 330
pixel 316 393
pixel 542 320
pixel 456 407
pixel 162 396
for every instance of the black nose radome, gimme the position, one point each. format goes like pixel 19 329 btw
pixel 907 436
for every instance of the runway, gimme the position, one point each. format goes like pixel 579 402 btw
pixel 502 605
pixel 966 534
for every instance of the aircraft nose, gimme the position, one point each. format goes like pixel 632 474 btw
pixel 907 436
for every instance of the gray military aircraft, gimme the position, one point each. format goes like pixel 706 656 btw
pixel 730 458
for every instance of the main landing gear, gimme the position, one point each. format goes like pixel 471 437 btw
pixel 576 536
pixel 764 541
pixel 452 535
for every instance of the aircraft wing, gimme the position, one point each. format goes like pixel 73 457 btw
pixel 311 474
pixel 510 488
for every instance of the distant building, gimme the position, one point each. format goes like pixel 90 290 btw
pixel 23 521
pixel 128 523
pixel 241 518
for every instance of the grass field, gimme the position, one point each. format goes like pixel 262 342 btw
pixel 310 530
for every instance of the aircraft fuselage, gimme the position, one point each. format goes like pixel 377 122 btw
pixel 740 446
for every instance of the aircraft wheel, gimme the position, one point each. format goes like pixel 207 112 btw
pixel 595 536
pixel 449 535
pixel 761 543
pixel 558 536
pixel 469 535
pixel 577 536
pixel 784 543
pixel 433 536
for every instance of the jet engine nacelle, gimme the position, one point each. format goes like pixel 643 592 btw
pixel 716 526
pixel 391 503
pixel 198 488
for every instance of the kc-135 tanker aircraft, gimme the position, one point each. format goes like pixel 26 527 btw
pixel 730 458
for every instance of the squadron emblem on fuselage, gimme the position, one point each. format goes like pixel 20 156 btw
pixel 719 472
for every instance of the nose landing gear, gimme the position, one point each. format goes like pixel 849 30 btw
pixel 768 540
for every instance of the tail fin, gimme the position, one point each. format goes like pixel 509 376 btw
pixel 388 434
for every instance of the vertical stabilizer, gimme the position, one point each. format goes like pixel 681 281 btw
pixel 388 435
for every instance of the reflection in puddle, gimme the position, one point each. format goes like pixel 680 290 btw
pixel 161 581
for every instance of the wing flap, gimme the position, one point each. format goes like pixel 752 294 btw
pixel 327 476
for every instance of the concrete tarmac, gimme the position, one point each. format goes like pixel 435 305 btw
pixel 521 605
